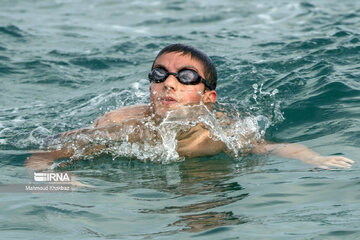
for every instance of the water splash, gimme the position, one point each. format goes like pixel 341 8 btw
pixel 266 105
pixel 238 124
pixel 152 139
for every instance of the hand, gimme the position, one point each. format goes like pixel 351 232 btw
pixel 329 161
pixel 41 160
pixel 197 142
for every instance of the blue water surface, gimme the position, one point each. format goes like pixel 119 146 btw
pixel 64 63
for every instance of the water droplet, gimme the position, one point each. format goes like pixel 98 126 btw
pixel 136 85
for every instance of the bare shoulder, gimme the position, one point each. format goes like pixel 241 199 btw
pixel 122 114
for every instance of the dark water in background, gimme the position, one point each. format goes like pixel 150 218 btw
pixel 64 63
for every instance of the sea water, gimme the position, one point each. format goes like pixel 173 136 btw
pixel 290 69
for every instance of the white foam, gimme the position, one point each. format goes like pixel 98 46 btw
pixel 157 141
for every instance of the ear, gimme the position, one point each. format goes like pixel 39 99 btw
pixel 209 96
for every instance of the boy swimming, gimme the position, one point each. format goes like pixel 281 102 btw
pixel 181 76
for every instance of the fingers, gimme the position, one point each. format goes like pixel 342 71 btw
pixel 334 161
pixel 36 163
pixel 40 160
pixel 344 159
pixel 339 161
pixel 339 165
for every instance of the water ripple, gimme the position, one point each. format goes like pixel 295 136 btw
pixel 64 63
pixel 12 31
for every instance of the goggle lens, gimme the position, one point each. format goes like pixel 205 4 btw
pixel 188 77
pixel 184 76
pixel 159 75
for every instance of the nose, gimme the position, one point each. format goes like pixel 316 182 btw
pixel 171 82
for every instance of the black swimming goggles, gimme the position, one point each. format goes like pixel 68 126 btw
pixel 184 76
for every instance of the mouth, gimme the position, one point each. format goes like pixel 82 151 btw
pixel 166 100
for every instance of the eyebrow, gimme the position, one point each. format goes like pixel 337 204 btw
pixel 183 67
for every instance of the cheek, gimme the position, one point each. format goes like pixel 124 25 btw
pixel 154 90
pixel 191 95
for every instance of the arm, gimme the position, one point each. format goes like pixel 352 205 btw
pixel 197 143
pixel 41 160
pixel 84 142
pixel 111 122
pixel 300 152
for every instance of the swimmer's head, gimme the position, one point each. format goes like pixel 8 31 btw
pixel 192 79
pixel 208 65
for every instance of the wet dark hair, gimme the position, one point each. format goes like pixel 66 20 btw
pixel 208 64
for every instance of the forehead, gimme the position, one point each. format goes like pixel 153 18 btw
pixel 175 61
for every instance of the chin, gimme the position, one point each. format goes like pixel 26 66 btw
pixel 163 110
